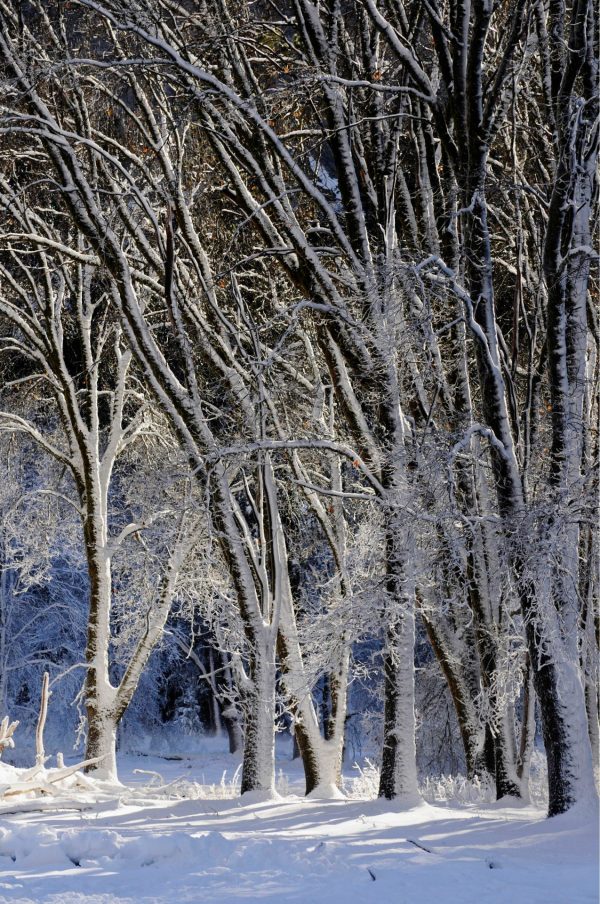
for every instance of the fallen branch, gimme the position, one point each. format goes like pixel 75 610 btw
pixel 421 846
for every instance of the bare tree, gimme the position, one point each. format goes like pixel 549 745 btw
pixel 62 329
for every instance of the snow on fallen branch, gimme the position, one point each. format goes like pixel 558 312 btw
pixel 38 781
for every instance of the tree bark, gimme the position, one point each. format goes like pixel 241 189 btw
pixel 398 777
pixel 99 693
pixel 258 766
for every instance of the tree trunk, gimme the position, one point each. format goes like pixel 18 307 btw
pixel 592 705
pixel 566 266
pixel 101 734
pixel 101 742
pixel 507 783
pixel 499 729
pixel 258 766
pixel 527 731
pixel 215 707
pixel 399 764
pixel 561 699
pixel 321 756
pixel 4 596
pixel 590 665
pixel 452 669
pixel 230 713
pixel 233 727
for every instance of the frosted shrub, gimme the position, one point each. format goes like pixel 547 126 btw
pixel 282 784
pixel 226 789
pixel 434 789
pixel 457 789
pixel 183 789
pixel 366 784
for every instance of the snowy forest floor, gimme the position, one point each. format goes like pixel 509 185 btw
pixel 189 840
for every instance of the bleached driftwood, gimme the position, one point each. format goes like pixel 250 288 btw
pixel 41 781
pixel 7 730
pixel 37 779
pixel 40 755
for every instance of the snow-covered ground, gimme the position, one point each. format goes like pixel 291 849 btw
pixel 171 842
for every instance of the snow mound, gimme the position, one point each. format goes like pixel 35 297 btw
pixel 326 791
pixel 260 797
pixel 33 846
pixel 87 846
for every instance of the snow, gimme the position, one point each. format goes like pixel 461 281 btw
pixel 177 832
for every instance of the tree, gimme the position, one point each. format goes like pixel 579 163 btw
pixel 66 340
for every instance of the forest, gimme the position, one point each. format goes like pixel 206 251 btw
pixel 299 371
